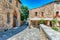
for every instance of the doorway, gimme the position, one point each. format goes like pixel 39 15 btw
pixel 15 22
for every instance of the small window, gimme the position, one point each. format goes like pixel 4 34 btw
pixel 10 1
pixel 35 13
pixel 42 14
pixel 57 13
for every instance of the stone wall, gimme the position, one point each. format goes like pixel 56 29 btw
pixel 5 7
pixel 48 11
pixel 50 33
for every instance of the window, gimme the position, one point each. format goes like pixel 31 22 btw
pixel 42 14
pixel 8 17
pixel 57 13
pixel 10 1
pixel 35 13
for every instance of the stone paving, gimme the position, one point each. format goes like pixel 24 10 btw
pixel 11 32
pixel 50 33
pixel 28 34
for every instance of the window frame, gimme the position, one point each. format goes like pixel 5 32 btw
pixel 42 14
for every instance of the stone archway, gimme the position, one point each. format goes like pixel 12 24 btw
pixel 14 18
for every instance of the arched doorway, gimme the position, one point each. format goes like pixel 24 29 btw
pixel 14 19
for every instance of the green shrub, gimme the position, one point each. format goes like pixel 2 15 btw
pixel 53 22
pixel 41 21
pixel 54 28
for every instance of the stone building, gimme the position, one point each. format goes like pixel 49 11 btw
pixel 46 12
pixel 9 14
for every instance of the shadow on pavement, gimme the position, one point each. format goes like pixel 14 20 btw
pixel 12 32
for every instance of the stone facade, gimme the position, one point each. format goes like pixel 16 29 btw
pixel 46 12
pixel 9 14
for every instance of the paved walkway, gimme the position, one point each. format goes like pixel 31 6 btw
pixel 28 34
pixel 12 32
pixel 22 33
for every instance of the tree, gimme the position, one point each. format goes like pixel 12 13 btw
pixel 53 22
pixel 24 12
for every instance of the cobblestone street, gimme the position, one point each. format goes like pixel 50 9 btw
pixel 21 33
pixel 27 34
pixel 11 32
